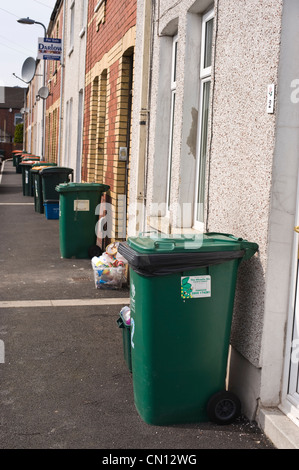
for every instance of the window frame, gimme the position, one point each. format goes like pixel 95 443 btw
pixel 72 27
pixel 205 76
pixel 83 18
pixel 172 116
pixel 18 119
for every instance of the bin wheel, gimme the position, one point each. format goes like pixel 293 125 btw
pixel 223 407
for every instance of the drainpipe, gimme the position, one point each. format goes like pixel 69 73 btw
pixel 24 120
pixel 143 117
pixel 61 88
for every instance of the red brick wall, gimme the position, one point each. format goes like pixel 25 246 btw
pixel 8 117
pixel 120 17
pixel 9 127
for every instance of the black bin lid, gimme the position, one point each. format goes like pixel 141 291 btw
pixel 56 169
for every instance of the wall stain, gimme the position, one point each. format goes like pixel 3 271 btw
pixel 192 138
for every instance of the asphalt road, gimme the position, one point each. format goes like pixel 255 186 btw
pixel 64 381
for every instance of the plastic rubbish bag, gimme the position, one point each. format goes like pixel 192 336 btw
pixel 109 268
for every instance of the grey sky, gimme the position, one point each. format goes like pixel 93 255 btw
pixel 18 41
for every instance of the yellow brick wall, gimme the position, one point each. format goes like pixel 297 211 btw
pixel 101 96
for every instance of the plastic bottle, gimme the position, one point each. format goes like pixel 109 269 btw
pixel 125 313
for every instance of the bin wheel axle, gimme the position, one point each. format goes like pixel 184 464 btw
pixel 223 407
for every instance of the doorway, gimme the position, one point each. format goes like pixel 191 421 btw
pixel 290 392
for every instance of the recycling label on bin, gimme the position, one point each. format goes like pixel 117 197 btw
pixel 81 205
pixel 195 287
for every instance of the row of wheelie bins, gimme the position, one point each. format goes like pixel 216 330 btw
pixel 182 291
pixel 58 197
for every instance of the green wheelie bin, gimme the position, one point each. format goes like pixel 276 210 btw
pixel 127 350
pixel 37 184
pixel 50 178
pixel 18 160
pixel 181 299
pixel 14 156
pixel 78 218
pixel 26 164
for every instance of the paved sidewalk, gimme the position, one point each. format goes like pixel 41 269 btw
pixel 64 383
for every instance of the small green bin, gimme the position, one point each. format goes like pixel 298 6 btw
pixel 181 299
pixel 14 157
pixel 78 218
pixel 18 159
pixel 25 165
pixel 126 330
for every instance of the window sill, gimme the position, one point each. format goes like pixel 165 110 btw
pixel 98 5
pixel 162 225
pixel 82 32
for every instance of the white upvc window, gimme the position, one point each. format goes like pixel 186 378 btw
pixel 68 132
pixel 83 17
pixel 72 26
pixel 79 136
pixel 172 111
pixel 204 106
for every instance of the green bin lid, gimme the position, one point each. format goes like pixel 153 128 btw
pixel 28 163
pixel 31 159
pixel 181 243
pixel 76 187
pixel 37 168
pixel 153 255
pixel 205 242
pixel 44 163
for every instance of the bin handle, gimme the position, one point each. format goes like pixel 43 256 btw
pixel 164 245
pixel 229 235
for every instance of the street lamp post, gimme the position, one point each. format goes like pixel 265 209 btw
pixel 30 22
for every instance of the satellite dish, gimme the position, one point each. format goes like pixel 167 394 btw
pixel 43 92
pixel 28 69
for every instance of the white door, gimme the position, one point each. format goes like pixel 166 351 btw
pixel 290 395
pixel 77 176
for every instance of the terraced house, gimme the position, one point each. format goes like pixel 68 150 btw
pixel 108 103
pixel 217 151
pixel 54 103
pixel 189 111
